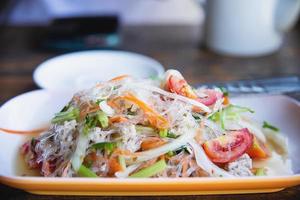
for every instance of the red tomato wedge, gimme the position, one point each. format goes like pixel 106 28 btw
pixel 180 86
pixel 227 148
pixel 258 150
pixel 212 97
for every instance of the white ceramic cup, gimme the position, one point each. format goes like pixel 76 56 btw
pixel 248 27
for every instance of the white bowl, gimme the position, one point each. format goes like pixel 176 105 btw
pixel 81 70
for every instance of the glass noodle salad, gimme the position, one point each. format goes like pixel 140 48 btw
pixel 161 127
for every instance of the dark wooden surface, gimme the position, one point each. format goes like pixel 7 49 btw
pixel 174 47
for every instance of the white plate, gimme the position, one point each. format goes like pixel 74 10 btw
pixel 80 70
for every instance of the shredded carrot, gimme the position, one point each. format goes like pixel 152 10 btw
pixel 154 118
pixel 123 152
pixel 35 131
pixel 117 119
pixel 119 78
pixel 196 109
pixel 114 166
pixel 87 108
pixel 198 136
pixel 184 167
pixel 226 100
pixel 152 142
pixel 112 103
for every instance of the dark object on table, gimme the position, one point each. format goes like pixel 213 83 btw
pixel 81 33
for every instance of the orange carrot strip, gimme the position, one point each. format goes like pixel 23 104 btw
pixel 184 167
pixel 114 165
pixel 154 118
pixel 226 100
pixel 117 119
pixel 119 78
pixel 35 131
pixel 152 142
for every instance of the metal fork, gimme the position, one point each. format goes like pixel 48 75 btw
pixel 278 85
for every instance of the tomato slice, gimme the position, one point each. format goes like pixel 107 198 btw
pixel 175 83
pixel 258 150
pixel 228 148
pixel 212 97
pixel 180 86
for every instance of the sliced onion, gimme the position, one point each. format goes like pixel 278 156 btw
pixel 213 126
pixel 106 108
pixel 82 145
pixel 171 146
pixel 127 171
pixel 253 129
pixel 205 163
pixel 176 96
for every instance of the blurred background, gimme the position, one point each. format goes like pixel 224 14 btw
pixel 208 41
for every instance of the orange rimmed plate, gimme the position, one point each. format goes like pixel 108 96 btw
pixel 28 111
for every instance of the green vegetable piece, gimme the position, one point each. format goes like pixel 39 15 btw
pixel 171 135
pixel 68 115
pixel 122 162
pixel 239 109
pixel 99 101
pixel 103 119
pixel 170 153
pixel 231 112
pixel 269 126
pixel 260 172
pixel 154 77
pixel 140 128
pixel 151 170
pixel 86 129
pixel 107 146
pixel 86 172
pixel 224 91
pixel 163 133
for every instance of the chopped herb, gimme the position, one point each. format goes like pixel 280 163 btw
pixel 140 128
pixel 86 172
pixel 170 153
pixel 180 149
pixel 122 162
pixel 260 172
pixel 151 170
pixel 107 146
pixel 231 112
pixel 68 115
pixel 154 77
pixel 163 133
pixel 171 135
pixel 196 117
pixel 65 108
pixel 86 129
pixel 88 161
pixel 33 142
pixel 103 119
pixel 99 101
pixel 269 126
pixel 224 91
pixel 92 120
pixel 130 112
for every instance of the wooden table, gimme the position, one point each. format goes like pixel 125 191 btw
pixel 174 47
